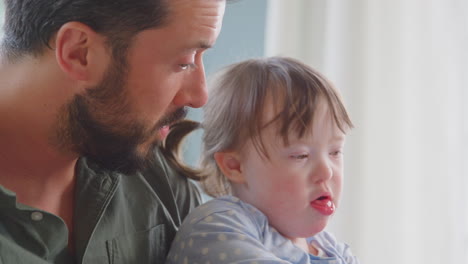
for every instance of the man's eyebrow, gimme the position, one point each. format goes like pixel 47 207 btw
pixel 204 45
pixel 200 45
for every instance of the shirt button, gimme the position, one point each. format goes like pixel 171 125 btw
pixel 36 216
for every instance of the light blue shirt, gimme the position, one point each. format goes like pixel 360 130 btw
pixel 227 230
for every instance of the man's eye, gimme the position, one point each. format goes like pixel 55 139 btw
pixel 184 66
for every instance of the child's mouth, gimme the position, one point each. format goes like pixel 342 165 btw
pixel 323 205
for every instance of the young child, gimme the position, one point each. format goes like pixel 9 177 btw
pixel 273 157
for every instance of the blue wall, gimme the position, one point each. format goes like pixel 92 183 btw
pixel 241 37
pixel 242 34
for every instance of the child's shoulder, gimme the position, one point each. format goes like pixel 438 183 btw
pixel 226 208
pixel 227 215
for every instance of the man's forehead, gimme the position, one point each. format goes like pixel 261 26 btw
pixel 202 17
pixel 205 7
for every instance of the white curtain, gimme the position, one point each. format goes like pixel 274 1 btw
pixel 401 66
pixel 2 14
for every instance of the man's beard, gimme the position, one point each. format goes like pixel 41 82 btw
pixel 101 126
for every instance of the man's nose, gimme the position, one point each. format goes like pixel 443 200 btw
pixel 193 92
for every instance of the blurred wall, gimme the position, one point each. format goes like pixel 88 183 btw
pixel 242 36
pixel 1 18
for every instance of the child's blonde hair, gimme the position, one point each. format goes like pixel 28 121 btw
pixel 234 112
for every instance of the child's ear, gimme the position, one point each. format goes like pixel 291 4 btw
pixel 229 163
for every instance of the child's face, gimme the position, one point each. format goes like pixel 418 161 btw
pixel 300 185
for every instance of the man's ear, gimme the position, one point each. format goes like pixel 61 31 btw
pixel 81 52
pixel 230 164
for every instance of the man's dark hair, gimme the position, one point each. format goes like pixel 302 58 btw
pixel 30 24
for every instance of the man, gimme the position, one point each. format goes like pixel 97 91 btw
pixel 88 89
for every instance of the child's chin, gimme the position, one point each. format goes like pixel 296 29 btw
pixel 316 228
pixel 309 231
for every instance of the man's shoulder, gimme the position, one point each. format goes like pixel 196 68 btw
pixel 158 174
pixel 169 182
pixel 158 186
pixel 134 211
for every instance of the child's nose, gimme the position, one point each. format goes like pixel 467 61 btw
pixel 322 172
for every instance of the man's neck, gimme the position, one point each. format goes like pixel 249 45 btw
pixel 33 89
pixel 37 177
pixel 30 97
pixel 40 180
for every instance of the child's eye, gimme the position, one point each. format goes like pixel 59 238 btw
pixel 336 153
pixel 300 156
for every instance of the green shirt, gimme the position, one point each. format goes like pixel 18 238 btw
pixel 117 219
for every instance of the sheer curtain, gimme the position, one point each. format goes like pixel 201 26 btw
pixel 401 66
pixel 2 11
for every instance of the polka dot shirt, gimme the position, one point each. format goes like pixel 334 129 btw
pixel 227 230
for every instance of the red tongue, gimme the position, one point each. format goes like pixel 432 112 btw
pixel 324 206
